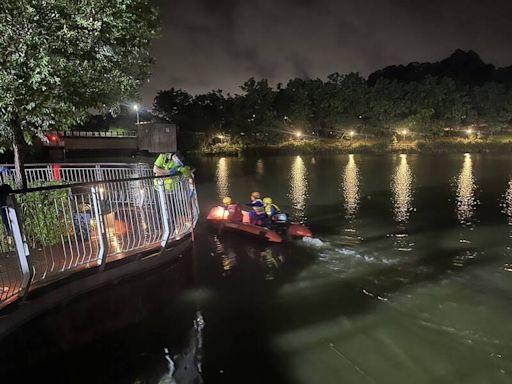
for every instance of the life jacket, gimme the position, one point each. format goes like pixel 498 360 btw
pixel 170 165
pixel 268 209
pixel 258 207
pixel 163 161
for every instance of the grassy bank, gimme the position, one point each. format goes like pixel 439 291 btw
pixel 498 144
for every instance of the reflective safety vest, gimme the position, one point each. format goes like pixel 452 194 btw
pixel 258 207
pixel 162 161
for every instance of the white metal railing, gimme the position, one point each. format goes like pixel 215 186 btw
pixel 75 172
pixel 51 232
pixel 97 134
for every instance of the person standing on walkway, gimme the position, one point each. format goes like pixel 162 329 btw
pixel 170 164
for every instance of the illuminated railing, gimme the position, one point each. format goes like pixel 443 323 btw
pixel 51 232
pixel 122 133
pixel 75 172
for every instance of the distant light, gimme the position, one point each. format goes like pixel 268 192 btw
pixel 469 131
pixel 220 137
pixel 135 107
pixel 298 133
pixel 404 132
pixel 352 133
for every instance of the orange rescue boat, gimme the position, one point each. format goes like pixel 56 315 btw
pixel 220 216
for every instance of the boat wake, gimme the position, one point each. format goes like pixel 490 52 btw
pixel 314 242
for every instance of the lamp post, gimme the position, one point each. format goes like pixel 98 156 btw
pixel 136 109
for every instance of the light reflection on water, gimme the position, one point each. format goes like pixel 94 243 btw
pixel 508 202
pixel 298 189
pixel 350 185
pixel 507 209
pixel 438 318
pixel 231 252
pixel 466 187
pixel 401 185
pixel 222 178
pixel 260 167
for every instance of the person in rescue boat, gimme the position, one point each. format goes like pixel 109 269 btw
pixel 257 216
pixel 170 164
pixel 233 209
pixel 270 211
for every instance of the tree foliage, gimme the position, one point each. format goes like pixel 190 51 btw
pixel 63 57
pixel 342 103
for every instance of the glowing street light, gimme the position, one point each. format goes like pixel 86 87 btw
pixel 404 132
pixel 136 109
pixel 352 133
pixel 469 131
pixel 298 134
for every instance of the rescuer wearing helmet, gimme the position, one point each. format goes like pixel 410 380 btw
pixel 170 164
pixel 270 210
pixel 234 211
pixel 257 215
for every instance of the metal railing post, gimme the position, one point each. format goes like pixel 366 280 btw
pixel 164 211
pixel 190 196
pixel 20 243
pixel 193 201
pixel 100 224
pixel 99 173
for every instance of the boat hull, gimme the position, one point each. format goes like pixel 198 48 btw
pixel 219 216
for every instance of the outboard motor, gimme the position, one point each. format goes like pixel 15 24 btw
pixel 280 222
pixel 280 218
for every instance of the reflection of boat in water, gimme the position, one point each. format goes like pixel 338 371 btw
pixel 264 258
pixel 280 229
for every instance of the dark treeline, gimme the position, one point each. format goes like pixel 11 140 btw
pixel 424 98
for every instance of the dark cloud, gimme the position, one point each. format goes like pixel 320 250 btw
pixel 218 44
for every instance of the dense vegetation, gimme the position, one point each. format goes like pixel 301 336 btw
pixel 62 58
pixel 427 100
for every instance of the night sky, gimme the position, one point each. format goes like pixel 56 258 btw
pixel 218 44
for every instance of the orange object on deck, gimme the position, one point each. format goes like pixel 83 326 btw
pixel 56 172
pixel 120 227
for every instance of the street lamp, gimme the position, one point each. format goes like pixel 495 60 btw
pixel 469 131
pixel 352 133
pixel 136 109
pixel 298 134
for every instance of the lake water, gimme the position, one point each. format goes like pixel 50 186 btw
pixel 407 280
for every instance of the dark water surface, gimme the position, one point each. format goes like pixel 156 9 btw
pixel 408 280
